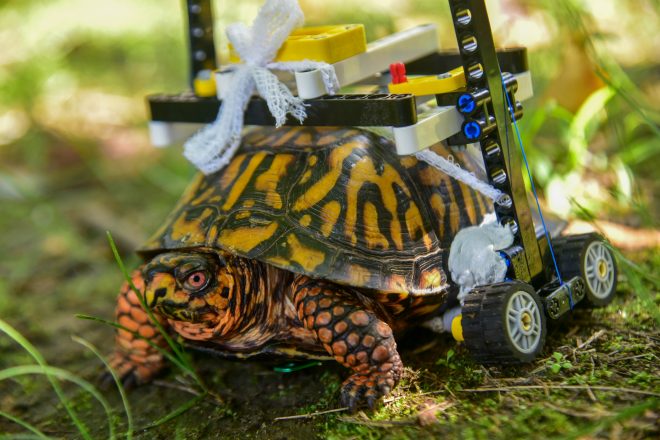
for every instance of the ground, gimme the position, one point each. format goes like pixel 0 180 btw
pixel 597 378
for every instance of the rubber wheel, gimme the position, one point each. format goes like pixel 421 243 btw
pixel 504 323
pixel 588 256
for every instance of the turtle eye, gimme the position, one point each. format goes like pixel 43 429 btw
pixel 196 280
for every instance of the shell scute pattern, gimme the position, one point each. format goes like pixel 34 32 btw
pixel 331 203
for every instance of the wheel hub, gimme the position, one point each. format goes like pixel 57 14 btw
pixel 526 320
pixel 599 269
pixel 523 322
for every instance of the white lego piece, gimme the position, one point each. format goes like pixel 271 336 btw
pixel 525 87
pixel 164 134
pixel 403 47
pixel 431 128
pixel 442 122
pixel 442 324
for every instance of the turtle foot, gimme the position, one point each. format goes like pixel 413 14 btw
pixel 130 371
pixel 365 389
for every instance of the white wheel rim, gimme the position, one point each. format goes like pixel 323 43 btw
pixel 599 269
pixel 523 322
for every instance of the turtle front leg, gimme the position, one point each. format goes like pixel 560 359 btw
pixel 136 361
pixel 354 335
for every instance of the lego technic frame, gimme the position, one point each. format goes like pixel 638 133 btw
pixel 499 323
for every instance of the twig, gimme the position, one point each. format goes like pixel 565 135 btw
pixel 425 393
pixel 310 415
pixel 573 413
pixel 627 358
pixel 591 394
pixel 378 423
pixel 591 339
pixel 563 387
pixel 217 399
pixel 187 389
pixel 653 335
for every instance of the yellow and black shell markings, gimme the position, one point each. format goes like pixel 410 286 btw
pixel 332 203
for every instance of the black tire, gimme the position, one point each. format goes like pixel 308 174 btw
pixel 498 329
pixel 590 257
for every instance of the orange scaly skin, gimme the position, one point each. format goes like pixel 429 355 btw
pixel 353 333
pixel 134 360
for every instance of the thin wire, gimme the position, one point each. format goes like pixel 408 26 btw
pixel 536 197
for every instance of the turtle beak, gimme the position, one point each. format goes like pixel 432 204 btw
pixel 160 288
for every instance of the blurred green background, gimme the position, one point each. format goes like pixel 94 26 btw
pixel 75 159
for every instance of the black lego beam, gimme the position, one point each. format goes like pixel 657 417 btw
pixel 200 37
pixel 512 60
pixel 502 161
pixel 331 110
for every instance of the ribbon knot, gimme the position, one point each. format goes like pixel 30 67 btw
pixel 211 148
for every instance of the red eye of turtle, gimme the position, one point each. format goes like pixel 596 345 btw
pixel 196 280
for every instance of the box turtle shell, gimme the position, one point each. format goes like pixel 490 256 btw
pixel 331 203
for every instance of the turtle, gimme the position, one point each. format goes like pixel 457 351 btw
pixel 318 242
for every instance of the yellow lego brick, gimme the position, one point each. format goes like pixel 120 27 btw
pixel 319 43
pixel 432 84
pixel 457 328
pixel 204 87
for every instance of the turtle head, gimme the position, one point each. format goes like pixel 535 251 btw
pixel 188 286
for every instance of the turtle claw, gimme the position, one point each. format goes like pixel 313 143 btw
pixel 128 380
pixel 365 390
pixel 106 380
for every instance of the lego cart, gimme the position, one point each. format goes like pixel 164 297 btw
pixel 477 92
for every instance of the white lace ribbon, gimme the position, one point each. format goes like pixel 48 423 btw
pixel 211 148
pixel 461 175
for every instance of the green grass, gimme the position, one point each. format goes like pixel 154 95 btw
pixel 50 373
pixel 175 354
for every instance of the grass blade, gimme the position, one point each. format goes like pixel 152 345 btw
pixel 59 373
pixel 20 437
pixel 177 412
pixel 172 358
pixel 120 387
pixel 24 424
pixel 27 346
pixel 176 348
